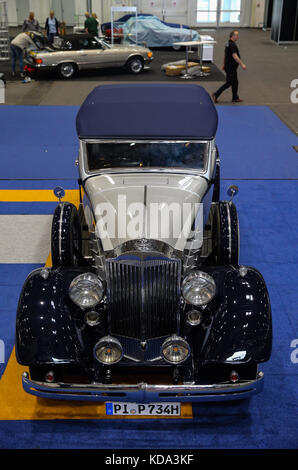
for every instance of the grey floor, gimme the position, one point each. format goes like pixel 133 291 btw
pixel 267 80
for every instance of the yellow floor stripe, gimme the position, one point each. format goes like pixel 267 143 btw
pixel 37 195
pixel 19 405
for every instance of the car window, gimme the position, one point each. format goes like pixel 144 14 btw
pixel 185 154
pixel 89 43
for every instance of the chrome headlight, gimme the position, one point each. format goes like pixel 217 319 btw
pixel 86 290
pixel 108 350
pixel 175 350
pixel 198 288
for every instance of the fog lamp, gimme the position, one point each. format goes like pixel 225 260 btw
pixel 198 288
pixel 194 318
pixel 175 350
pixel 108 350
pixel 234 376
pixel 86 290
pixel 92 318
pixel 49 377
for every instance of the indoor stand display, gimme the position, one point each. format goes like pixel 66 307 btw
pixel 188 45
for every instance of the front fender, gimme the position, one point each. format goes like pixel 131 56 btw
pixel 241 327
pixel 46 329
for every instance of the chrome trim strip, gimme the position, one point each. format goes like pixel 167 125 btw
pixel 230 231
pixel 143 391
pixel 85 173
pixel 60 230
pixel 143 141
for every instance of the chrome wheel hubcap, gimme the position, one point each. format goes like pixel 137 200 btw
pixel 136 65
pixel 67 70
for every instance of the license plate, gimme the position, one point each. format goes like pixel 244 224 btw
pixel 143 409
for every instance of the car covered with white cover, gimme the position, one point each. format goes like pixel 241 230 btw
pixel 153 32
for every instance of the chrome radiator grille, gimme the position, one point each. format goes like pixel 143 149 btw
pixel 143 296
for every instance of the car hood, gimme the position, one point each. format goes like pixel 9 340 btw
pixel 160 207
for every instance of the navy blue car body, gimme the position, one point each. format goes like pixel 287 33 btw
pixel 148 335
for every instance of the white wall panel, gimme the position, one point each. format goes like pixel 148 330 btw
pixel 12 13
pixel 41 10
pixel 178 11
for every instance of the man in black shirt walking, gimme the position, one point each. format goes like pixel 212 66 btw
pixel 232 60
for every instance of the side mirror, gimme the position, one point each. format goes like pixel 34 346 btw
pixel 232 191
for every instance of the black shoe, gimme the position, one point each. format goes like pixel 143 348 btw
pixel 214 98
pixel 238 100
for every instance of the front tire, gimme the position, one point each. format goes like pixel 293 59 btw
pixel 67 70
pixel 135 65
pixel 225 233
pixel 66 240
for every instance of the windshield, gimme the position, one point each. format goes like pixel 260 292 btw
pixel 41 41
pixel 182 154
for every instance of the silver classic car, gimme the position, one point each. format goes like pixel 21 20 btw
pixel 146 305
pixel 75 52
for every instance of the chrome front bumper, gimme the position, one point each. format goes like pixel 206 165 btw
pixel 144 392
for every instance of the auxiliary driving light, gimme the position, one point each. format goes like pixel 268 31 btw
pixel 86 290
pixel 108 350
pixel 234 376
pixel 175 350
pixel 92 318
pixel 49 377
pixel 194 318
pixel 198 288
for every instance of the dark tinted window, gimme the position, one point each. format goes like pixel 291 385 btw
pixel 147 154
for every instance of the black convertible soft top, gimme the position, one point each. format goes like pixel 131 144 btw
pixel 76 39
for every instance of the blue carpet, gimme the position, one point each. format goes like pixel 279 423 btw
pixel 253 144
pixel 269 238
pixel 40 142
pixel 26 208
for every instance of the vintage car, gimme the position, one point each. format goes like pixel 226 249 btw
pixel 81 52
pixel 153 32
pixel 146 301
pixel 106 28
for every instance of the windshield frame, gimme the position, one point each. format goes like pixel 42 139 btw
pixel 164 169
